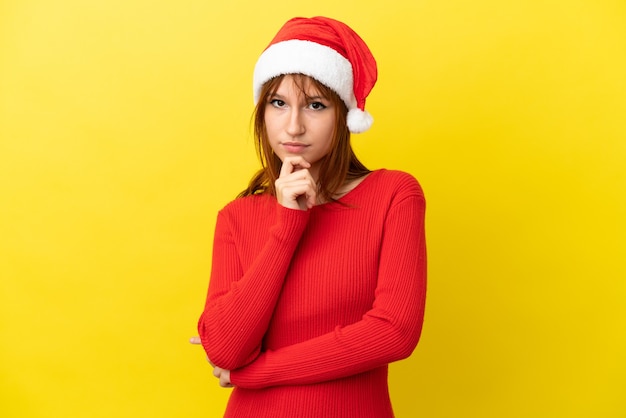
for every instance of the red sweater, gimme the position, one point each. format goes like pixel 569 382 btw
pixel 307 308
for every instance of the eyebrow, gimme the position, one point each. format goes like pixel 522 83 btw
pixel 281 97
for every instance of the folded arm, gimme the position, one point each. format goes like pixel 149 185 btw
pixel 240 303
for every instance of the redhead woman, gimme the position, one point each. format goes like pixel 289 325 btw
pixel 318 276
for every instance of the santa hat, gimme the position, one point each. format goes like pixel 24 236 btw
pixel 328 51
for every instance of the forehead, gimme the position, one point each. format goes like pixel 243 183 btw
pixel 298 84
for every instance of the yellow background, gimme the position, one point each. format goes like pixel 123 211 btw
pixel 124 127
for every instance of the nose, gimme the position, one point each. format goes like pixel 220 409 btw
pixel 295 124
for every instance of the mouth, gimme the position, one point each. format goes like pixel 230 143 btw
pixel 294 147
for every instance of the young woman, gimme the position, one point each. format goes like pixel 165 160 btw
pixel 318 277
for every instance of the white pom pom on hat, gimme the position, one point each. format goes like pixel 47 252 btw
pixel 359 120
pixel 328 51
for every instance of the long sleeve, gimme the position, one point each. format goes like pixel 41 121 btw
pixel 387 332
pixel 242 294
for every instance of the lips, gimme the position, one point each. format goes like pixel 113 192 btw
pixel 294 147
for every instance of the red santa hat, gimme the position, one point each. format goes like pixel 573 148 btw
pixel 328 51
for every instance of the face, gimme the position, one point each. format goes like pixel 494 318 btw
pixel 300 123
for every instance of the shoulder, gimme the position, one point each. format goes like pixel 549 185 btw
pixel 248 207
pixel 398 183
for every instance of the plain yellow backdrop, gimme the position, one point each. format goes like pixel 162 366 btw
pixel 124 127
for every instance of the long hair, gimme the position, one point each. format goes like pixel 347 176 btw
pixel 339 165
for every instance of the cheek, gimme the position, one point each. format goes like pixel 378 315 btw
pixel 329 133
pixel 272 141
pixel 270 129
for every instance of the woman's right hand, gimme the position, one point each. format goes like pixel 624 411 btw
pixel 295 187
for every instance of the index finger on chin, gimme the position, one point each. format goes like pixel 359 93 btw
pixel 291 164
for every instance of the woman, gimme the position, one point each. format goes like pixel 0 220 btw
pixel 318 278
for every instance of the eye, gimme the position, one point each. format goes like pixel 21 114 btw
pixel 277 103
pixel 317 106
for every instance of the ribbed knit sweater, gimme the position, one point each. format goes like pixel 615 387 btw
pixel 307 308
